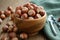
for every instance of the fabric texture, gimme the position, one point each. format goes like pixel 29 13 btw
pixel 51 7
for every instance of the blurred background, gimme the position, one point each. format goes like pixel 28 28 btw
pixel 5 3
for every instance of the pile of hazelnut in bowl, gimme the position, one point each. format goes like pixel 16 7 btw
pixel 29 18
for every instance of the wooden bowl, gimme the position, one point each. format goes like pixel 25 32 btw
pixel 30 26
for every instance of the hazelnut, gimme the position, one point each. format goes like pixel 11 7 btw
pixel 3 16
pixel 10 28
pixel 0 20
pixel 16 15
pixel 14 25
pixel 9 8
pixel 30 18
pixel 1 12
pixel 12 34
pixel 37 16
pixel 39 8
pixel 24 16
pixel 15 29
pixel 7 12
pixel 4 36
pixel 12 11
pixel 30 7
pixel 19 8
pixel 8 24
pixel 5 28
pixel 58 19
pixel 42 12
pixel 24 9
pixel 23 36
pixel 34 5
pixel 18 12
pixel 27 5
pixel 12 16
pixel 31 13
pixel 14 38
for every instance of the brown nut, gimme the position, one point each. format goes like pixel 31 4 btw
pixel 37 16
pixel 12 34
pixel 24 9
pixel 31 18
pixel 1 12
pixel 10 28
pixel 14 38
pixel 23 36
pixel 18 12
pixel 5 28
pixel 10 8
pixel 0 20
pixel 8 24
pixel 42 12
pixel 28 5
pixel 7 12
pixel 31 13
pixel 3 16
pixel 15 29
pixel 34 5
pixel 4 36
pixel 39 8
pixel 58 19
pixel 14 25
pixel 19 8
pixel 24 16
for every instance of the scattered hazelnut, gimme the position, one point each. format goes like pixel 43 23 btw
pixel 1 12
pixel 7 12
pixel 37 16
pixel 58 19
pixel 3 16
pixel 24 9
pixel 15 29
pixel 9 8
pixel 24 16
pixel 14 25
pixel 14 38
pixel 31 18
pixel 12 16
pixel 8 24
pixel 23 36
pixel 4 36
pixel 31 13
pixel 10 28
pixel 0 20
pixel 5 28
pixel 13 11
pixel 18 12
pixel 16 15
pixel 12 34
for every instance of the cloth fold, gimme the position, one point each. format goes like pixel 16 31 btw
pixel 51 7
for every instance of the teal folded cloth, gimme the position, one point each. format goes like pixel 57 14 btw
pixel 51 7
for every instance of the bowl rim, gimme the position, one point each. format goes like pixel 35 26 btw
pixel 33 19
